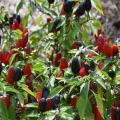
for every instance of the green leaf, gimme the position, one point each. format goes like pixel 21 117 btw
pixel 96 24
pixel 2 85
pixel 21 98
pixel 65 115
pixel 39 66
pixel 65 108
pixel 12 109
pixel 11 89
pixel 52 80
pixel 26 89
pixel 101 83
pixel 49 11
pixel 3 111
pixel 20 5
pixel 83 98
pixel 25 20
pixel 117 78
pixel 33 115
pixel 105 74
pixel 17 34
pixel 29 91
pixel 99 103
pixel 89 114
pixel 97 5
pixel 32 105
pixel 85 37
pixel 55 90
pixel 39 19
pixel 12 59
pixel 93 52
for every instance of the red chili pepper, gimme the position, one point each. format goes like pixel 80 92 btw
pixel 97 115
pixel 63 63
pixel 75 45
pixel 93 86
pixel 115 111
pixel 48 104
pixel 74 100
pixel 82 71
pixel 10 74
pixel 107 50
pixel 99 32
pixel 29 84
pixel 115 49
pixel 27 69
pixel 6 101
pixel 59 74
pixel 14 26
pixel 19 44
pixel 22 106
pixel 100 65
pixel 20 25
pixel 39 95
pixel 48 19
pixel 57 58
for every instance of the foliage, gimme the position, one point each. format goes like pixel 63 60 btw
pixel 36 71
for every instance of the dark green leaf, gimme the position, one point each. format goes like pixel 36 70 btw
pixel 20 5
pixel 83 98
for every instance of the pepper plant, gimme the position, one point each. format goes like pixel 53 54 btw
pixel 66 69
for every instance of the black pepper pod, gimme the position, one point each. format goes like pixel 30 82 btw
pixel 11 19
pixel 87 67
pixel 117 113
pixel 51 1
pixel 6 20
pixel 80 10
pixel 75 65
pixel 92 65
pixel 1 67
pixel 68 6
pixel 31 99
pixel 87 5
pixel 46 92
pixel 55 101
pixel 18 18
pixel 0 40
pixel 42 105
pixel 17 74
pixel 56 25
pixel 79 44
pixel 111 73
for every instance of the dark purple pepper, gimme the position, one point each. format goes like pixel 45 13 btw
pixel 17 74
pixel 46 92
pixel 111 73
pixel 42 105
pixel 51 1
pixel 68 6
pixel 75 65
pixel 1 67
pixel 80 10
pixel 18 18
pixel 92 65
pixel 117 113
pixel 87 67
pixel 55 101
pixel 0 40
pixel 11 20
pixel 56 23
pixel 87 5
pixel 31 99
